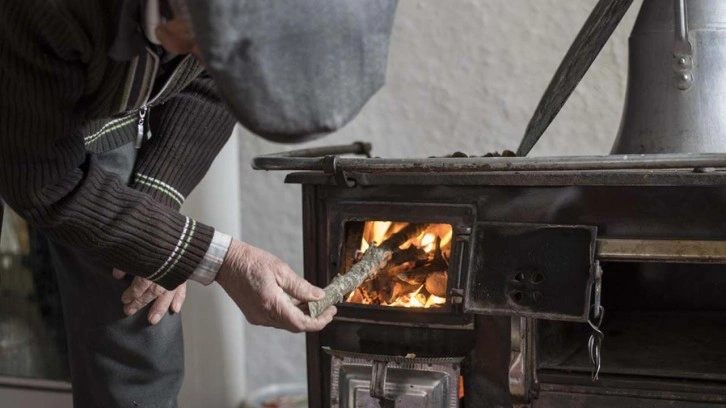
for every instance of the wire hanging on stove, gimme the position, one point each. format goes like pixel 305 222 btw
pixel 594 343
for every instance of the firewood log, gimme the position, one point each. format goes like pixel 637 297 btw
pixel 399 289
pixel 410 255
pixel 436 283
pixel 375 258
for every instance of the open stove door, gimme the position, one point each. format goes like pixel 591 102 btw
pixel 531 270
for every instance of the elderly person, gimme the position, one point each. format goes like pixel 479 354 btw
pixel 108 120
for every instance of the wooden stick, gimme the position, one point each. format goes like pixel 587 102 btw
pixel 375 258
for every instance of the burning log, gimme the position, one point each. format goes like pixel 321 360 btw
pixel 417 275
pixel 375 258
pixel 357 296
pixel 404 260
pixel 436 283
pixel 411 254
pixel 399 289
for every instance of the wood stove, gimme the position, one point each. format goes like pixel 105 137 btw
pixel 570 281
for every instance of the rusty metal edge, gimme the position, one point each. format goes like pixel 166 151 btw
pixel 671 251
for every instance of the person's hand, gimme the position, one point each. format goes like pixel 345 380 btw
pixel 143 291
pixel 268 292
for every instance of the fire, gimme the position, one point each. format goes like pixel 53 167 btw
pixel 415 299
pixel 379 231
pixel 427 242
pixel 434 300
pixel 446 239
pixel 416 276
pixel 364 245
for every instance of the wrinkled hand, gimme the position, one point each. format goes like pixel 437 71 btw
pixel 143 291
pixel 268 292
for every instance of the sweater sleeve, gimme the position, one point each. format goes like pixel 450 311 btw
pixel 47 176
pixel 188 131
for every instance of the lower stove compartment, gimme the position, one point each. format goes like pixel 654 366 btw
pixel 681 367
pixel 363 380
pixel 414 362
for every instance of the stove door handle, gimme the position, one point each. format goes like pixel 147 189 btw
pixel 379 369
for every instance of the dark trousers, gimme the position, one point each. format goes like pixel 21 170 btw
pixel 116 361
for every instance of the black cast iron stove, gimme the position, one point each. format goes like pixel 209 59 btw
pixel 545 282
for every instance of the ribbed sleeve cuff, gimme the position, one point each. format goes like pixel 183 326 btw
pixel 185 256
pixel 207 270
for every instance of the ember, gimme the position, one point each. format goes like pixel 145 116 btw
pixel 416 275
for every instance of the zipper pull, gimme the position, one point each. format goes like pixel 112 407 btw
pixel 148 119
pixel 140 126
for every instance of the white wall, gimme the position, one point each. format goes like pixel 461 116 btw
pixel 463 75
pixel 214 342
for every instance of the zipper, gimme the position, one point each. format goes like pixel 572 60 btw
pixel 140 126
pixel 145 109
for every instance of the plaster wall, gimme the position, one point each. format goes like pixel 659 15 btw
pixel 214 342
pixel 464 75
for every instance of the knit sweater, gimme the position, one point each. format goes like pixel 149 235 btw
pixel 63 100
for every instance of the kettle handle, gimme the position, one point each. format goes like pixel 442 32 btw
pixel 682 48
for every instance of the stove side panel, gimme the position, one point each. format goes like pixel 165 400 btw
pixel 314 240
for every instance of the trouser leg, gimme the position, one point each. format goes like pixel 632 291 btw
pixel 116 361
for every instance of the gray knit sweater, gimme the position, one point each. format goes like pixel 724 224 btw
pixel 63 100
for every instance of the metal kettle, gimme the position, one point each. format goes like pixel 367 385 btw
pixel 676 95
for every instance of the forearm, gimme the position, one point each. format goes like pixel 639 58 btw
pixel 99 217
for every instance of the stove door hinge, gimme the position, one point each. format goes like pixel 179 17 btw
pixel 342 178
pixel 460 262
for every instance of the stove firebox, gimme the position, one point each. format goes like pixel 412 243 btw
pixel 416 276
